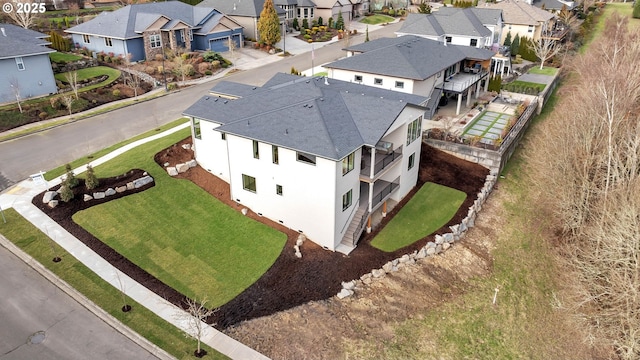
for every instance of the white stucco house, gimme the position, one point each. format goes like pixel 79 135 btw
pixel 416 65
pixel 314 154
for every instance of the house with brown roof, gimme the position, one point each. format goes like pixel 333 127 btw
pixel 522 19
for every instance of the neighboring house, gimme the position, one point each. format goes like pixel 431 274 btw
pixel 475 27
pixel 522 19
pixel 25 66
pixel 416 65
pixel 332 8
pixel 553 6
pixel 299 9
pixel 144 30
pixel 300 151
pixel 244 12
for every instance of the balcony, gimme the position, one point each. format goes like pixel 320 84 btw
pixel 382 162
pixel 460 82
pixel 382 190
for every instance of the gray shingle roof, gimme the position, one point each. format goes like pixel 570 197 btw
pixel 326 118
pixel 409 57
pixel 519 12
pixel 450 21
pixel 249 8
pixel 16 41
pixel 129 21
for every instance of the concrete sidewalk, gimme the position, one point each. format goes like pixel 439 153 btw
pixel 19 198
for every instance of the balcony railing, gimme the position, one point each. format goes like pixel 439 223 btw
pixel 382 162
pixel 379 196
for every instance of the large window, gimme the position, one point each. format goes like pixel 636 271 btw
pixel 306 158
pixel 108 42
pixel 278 189
pixel 346 200
pixel 413 130
pixel 248 183
pixel 412 161
pixel 274 154
pixel 347 163
pixel 20 63
pixel 155 41
pixel 86 39
pixel 256 150
pixel 196 129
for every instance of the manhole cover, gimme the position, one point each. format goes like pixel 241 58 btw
pixel 37 337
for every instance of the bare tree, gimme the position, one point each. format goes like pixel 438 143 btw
pixel 182 67
pixel 198 313
pixel 125 307
pixel 232 47
pixel 23 13
pixel 130 78
pixel 14 84
pixel 67 99
pixel 72 80
pixel 545 47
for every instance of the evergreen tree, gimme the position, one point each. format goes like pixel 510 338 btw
pixel 70 177
pixel 340 22
pixel 515 45
pixel 507 39
pixel 92 181
pixel 366 37
pixel 320 21
pixel 269 24
pixel 305 24
pixel 330 22
pixel 424 7
pixel 65 192
pixel 296 25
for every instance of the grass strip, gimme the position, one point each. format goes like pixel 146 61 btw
pixel 38 245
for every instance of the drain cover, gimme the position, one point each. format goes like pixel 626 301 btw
pixel 37 337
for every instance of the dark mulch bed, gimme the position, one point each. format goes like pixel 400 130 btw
pixel 290 281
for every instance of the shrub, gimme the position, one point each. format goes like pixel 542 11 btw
pixel 215 64
pixel 70 178
pixel 305 23
pixel 158 57
pixel 392 12
pixel 107 58
pixel 92 181
pixel 189 70
pixel 208 72
pixel 330 22
pixel 320 21
pixel 160 69
pixel 150 70
pixel 65 192
pixel 296 25
pixel 116 93
pixel 42 115
pixel 204 66
pixel 307 36
pixel 172 86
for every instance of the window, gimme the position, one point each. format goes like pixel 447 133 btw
pixel 256 150
pixel 108 42
pixel 474 42
pixel 20 63
pixel 412 160
pixel 307 158
pixel 248 183
pixel 311 13
pixel 400 84
pixel 196 129
pixel 278 189
pixel 274 154
pixel 306 12
pixel 413 130
pixel 346 200
pixel 347 163
pixel 182 35
pixel 86 39
pixel 530 28
pixel 190 35
pixel 377 81
pixel 223 136
pixel 448 39
pixel 358 78
pixel 154 41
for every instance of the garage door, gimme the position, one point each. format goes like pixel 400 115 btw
pixel 219 45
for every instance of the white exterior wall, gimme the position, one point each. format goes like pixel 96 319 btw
pixel 522 30
pixel 388 82
pixel 344 183
pixel 308 201
pixel 210 150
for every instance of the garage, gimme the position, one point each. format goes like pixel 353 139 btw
pixel 221 44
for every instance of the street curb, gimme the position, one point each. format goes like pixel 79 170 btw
pixel 84 301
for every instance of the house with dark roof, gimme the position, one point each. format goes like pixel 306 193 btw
pixel 317 155
pixel 247 12
pixel 475 27
pixel 25 67
pixel 144 30
pixel 416 65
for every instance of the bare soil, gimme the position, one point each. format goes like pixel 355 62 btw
pixel 292 308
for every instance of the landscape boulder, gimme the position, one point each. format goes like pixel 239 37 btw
pixel 142 181
pixel 172 171
pixel 182 168
pixel 48 196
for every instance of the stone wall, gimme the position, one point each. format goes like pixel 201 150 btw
pixel 441 243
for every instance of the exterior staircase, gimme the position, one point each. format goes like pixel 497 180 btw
pixel 351 236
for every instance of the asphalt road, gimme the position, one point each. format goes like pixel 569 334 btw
pixel 32 307
pixel 46 150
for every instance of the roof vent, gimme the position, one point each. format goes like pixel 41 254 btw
pixel 3 33
pixel 307 81
pixel 286 131
pixel 321 99
pixel 310 106
pixel 226 101
pixel 206 98
pixel 305 105
pixel 254 88
pixel 216 100
pixel 326 81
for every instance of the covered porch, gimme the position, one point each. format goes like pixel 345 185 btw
pixel 464 84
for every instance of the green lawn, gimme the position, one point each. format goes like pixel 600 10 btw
pixel 518 86
pixel 377 19
pixel 429 209
pixel 93 72
pixel 66 57
pixel 140 319
pixel 551 71
pixel 181 234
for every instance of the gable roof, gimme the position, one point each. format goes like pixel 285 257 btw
pixel 519 12
pixel 452 21
pixel 249 8
pixel 130 21
pixel 16 41
pixel 323 117
pixel 408 57
pixel 554 4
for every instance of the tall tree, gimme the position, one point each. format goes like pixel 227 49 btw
pixel 269 24
pixel 545 47
pixel 14 84
pixel 424 7
pixel 29 11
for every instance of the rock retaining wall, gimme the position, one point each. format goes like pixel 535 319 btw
pixel 441 243
pixel 49 197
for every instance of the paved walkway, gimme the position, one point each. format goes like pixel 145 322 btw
pixel 19 198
